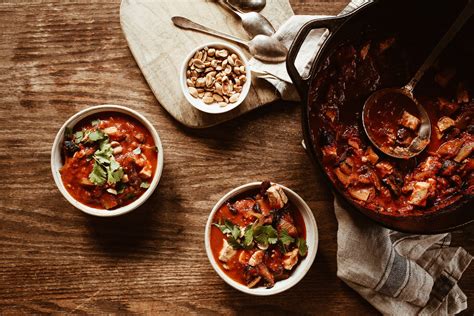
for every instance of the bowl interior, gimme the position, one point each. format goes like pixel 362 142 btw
pixel 57 163
pixel 302 268
pixel 214 108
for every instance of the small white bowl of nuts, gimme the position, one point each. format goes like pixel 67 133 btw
pixel 215 77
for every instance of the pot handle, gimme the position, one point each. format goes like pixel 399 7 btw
pixel 329 23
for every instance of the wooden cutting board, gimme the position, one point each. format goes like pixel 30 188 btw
pixel 160 48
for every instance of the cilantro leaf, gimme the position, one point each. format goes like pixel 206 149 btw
pixel 285 238
pixel 234 243
pixel 265 235
pixel 95 122
pixel 78 136
pixel 98 174
pixel 96 135
pixel 248 236
pixel 302 247
pixel 145 185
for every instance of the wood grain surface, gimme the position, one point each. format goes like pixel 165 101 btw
pixel 59 57
pixel 160 48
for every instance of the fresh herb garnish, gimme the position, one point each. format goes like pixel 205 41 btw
pixel 104 159
pixel 285 238
pixel 248 236
pixel 265 235
pixel 98 174
pixel 78 136
pixel 302 247
pixel 137 151
pixel 234 243
pixel 96 135
pixel 145 185
pixel 232 232
pixel 95 122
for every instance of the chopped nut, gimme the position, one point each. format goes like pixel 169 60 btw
pixel 234 98
pixel 208 100
pixel 193 92
pixel 215 74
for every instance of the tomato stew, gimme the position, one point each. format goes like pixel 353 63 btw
pixel 259 237
pixel 109 160
pixel 439 176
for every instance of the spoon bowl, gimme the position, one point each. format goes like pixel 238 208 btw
pixel 249 5
pixel 253 22
pixel 384 108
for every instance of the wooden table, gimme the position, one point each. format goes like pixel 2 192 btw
pixel 56 59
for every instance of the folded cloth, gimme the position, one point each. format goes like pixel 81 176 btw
pixel 399 274
pixel 286 34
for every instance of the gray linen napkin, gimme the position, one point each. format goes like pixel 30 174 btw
pixel 399 274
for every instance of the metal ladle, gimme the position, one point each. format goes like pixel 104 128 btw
pixel 253 22
pixel 249 5
pixel 420 142
pixel 262 47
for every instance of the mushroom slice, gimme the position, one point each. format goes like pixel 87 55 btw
pixel 290 259
pixel 419 194
pixel 444 123
pixel 254 282
pixel 227 252
pixel 266 274
pixel 465 151
pixel 450 148
pixel 256 258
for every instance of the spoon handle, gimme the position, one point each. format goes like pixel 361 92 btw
pixel 190 25
pixel 448 36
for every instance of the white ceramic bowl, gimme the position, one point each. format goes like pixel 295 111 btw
pixel 57 163
pixel 214 108
pixel 302 268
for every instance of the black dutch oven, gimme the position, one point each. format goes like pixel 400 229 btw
pixel 423 22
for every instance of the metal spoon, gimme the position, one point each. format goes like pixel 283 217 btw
pixel 249 5
pixel 253 22
pixel 262 47
pixel 405 93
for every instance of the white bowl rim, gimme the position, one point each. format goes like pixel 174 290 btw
pixel 302 268
pixel 212 108
pixel 56 153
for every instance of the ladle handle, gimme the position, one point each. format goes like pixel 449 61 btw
pixel 448 36
pixel 190 25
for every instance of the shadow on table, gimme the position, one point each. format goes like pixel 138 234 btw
pixel 126 235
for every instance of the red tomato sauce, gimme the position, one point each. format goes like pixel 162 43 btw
pixel 126 133
pixel 245 202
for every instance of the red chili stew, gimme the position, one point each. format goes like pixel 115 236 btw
pixel 438 177
pixel 259 238
pixel 109 160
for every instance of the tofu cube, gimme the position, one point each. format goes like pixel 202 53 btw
pixel 409 121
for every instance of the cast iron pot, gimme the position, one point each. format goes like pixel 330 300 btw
pixel 426 25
